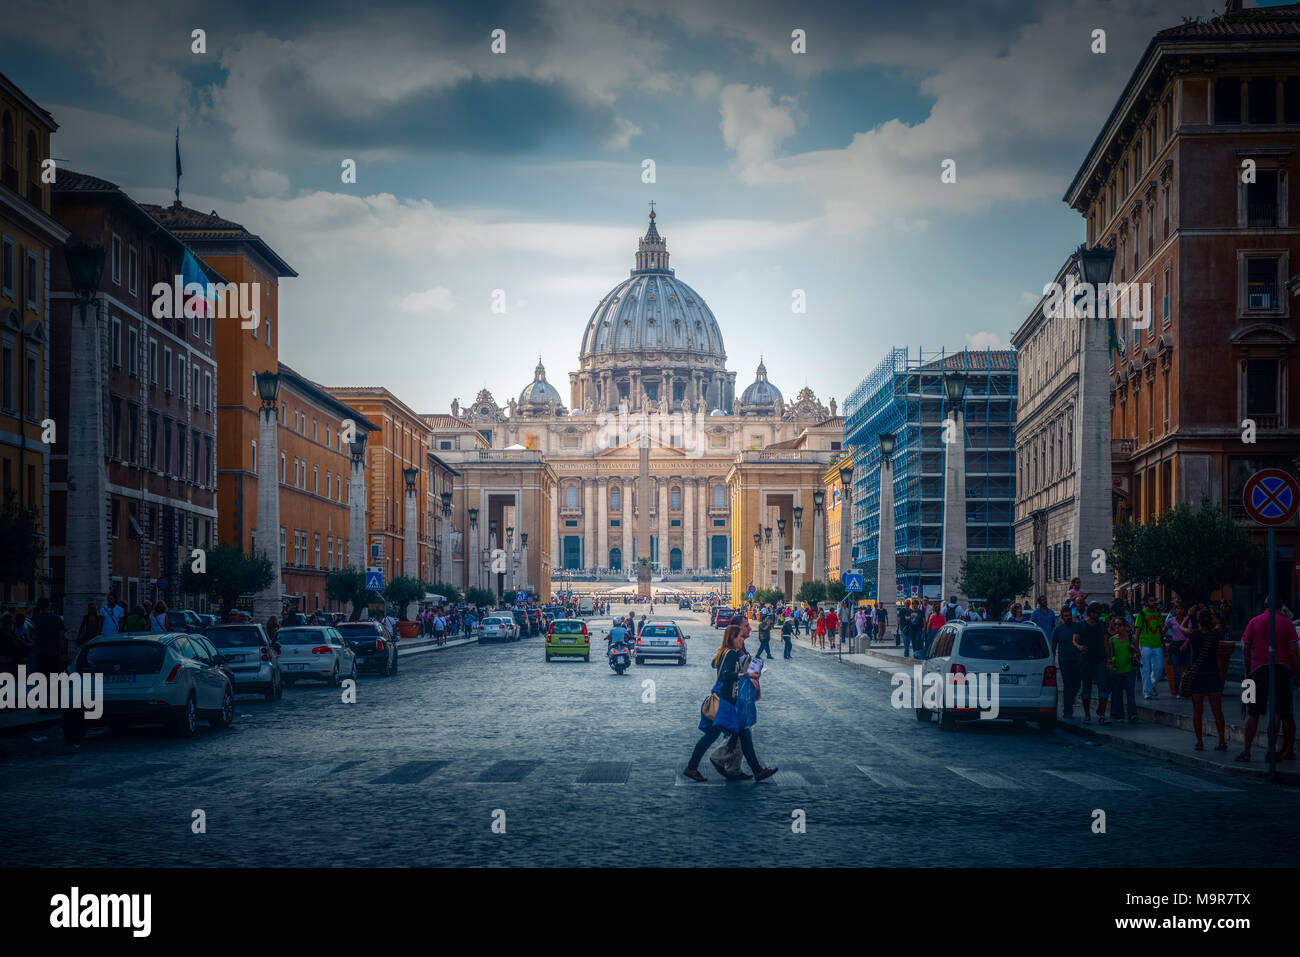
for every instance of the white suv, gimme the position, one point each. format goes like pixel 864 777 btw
pixel 1014 657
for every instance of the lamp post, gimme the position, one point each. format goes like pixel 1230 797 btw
pixel 886 570
pixel 86 557
pixel 758 558
pixel 510 560
pixel 410 545
pixel 846 518
pixel 357 503
pixel 269 602
pixel 523 560
pixel 489 558
pixel 1093 518
pixel 780 556
pixel 769 566
pixel 954 488
pixel 444 571
pixel 819 555
pixel 799 558
pixel 471 552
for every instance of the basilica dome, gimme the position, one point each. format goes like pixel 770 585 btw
pixel 655 335
pixel 761 395
pixel 539 397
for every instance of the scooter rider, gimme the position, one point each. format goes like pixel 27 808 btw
pixel 617 634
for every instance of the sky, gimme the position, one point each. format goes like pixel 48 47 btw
pixel 523 170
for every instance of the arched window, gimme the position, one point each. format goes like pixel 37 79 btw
pixel 719 496
pixel 675 497
pixel 675 560
pixel 615 501
pixel 571 496
pixel 8 141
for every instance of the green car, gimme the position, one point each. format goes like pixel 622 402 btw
pixel 567 637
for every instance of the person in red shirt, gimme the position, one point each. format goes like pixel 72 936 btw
pixel 1286 664
pixel 832 624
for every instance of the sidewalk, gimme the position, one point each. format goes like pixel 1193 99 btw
pixel 1164 728
pixel 17 721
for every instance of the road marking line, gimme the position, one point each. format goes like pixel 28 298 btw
pixel 987 779
pixel 884 778
pixel 1090 781
pixel 1184 780
pixel 308 775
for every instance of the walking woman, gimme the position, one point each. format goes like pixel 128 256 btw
pixel 1202 678
pixel 728 661
pixel 90 625
pixel 272 626
pixel 158 619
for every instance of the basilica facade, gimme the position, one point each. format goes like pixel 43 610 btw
pixel 651 363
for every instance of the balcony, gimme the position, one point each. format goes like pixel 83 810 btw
pixel 1261 214
pixel 1266 420
pixel 570 511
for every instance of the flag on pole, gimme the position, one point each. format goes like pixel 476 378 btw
pixel 191 271
pixel 178 165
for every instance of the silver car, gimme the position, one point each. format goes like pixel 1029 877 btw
pixel 498 628
pixel 662 640
pixel 316 652
pixel 250 657
pixel 169 678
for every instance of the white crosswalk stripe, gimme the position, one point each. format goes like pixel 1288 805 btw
pixel 307 775
pixel 1181 780
pixel 884 778
pixel 1092 782
pixel 988 779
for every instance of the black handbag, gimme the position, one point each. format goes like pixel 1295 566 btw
pixel 1185 686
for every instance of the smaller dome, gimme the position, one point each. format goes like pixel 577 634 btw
pixel 761 394
pixel 717 412
pixel 539 395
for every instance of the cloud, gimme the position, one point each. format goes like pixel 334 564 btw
pixel 257 182
pixel 437 299
pixel 753 126
pixel 984 340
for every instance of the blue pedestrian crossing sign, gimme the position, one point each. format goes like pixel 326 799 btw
pixel 374 579
pixel 852 582
pixel 751 591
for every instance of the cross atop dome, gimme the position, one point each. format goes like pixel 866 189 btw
pixel 652 250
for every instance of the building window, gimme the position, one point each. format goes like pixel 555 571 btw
pixel 1165 299
pixel 254 467
pixel 117 261
pixel 1261 199
pixel 207 391
pixel 268 332
pixel 7 268
pixel 1227 100
pixel 615 499
pixel 315 543
pixel 132 352
pixel 167 370
pixel 1262 283
pixel 1262 382
pixel 571 496
pixel 1291 99
pixel 180 376
pixel 132 270
pixel 32 381
pixel 719 497
pixel 676 497
pixel 153 440
pixel 315 480
pixel 153 361
pixel 115 346
pixel 195 392
pixel 284 546
pixel 284 467
pixel 1261 100
pixel 32 285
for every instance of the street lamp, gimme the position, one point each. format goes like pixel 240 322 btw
pixel 411 558
pixel 954 387
pixel 886 444
pixel 798 515
pixel 780 552
pixel 86 574
pixel 357 500
pixel 819 557
pixel 358 446
pixel 886 568
pixel 846 515
pixel 471 551
pixel 410 475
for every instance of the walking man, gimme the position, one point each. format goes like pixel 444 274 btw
pixel 1067 659
pixel 764 635
pixel 1150 635
pixel 1286 665
pixel 787 630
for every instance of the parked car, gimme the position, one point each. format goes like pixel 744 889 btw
pixel 721 616
pixel 252 659
pixel 207 620
pixel 373 645
pixel 660 639
pixel 180 619
pixel 317 652
pixel 498 628
pixel 1015 655
pixel 170 678
pixel 524 621
pixel 568 637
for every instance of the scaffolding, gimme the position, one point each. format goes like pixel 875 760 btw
pixel 904 396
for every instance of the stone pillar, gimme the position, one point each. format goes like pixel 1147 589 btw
pixel 472 557
pixel 1092 521
pixel 602 522
pixel 819 544
pixel 780 558
pixel 588 524
pixel 886 568
pixel 267 602
pixel 688 523
pixel 86 561
pixel 663 524
pixel 800 564
pixel 445 575
pixel 523 571
pixel 846 525
pixel 490 564
pixel 954 506
pixel 357 551
pixel 557 557
pixel 625 524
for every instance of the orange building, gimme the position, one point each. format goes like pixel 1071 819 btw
pixel 314 461
pixel 402 441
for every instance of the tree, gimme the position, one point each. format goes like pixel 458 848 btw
pixel 996 577
pixel 812 592
pixel 401 591
pixel 480 598
pixel 349 585
pixel 228 573
pixel 769 596
pixel 1191 550
pixel 835 591
pixel 20 530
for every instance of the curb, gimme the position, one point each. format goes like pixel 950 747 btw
pixel 1177 757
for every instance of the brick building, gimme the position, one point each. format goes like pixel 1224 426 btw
pixel 157 382
pixel 30 242
pixel 1189 182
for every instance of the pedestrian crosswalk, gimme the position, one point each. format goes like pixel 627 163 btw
pixel 401 771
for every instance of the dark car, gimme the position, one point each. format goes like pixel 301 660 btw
pixel 527 626
pixel 178 619
pixel 721 616
pixel 375 649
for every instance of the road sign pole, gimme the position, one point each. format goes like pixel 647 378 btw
pixel 1272 661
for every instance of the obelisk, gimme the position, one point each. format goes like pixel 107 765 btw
pixel 643 515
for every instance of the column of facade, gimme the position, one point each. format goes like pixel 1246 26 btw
pixel 625 493
pixel 602 521
pixel 557 560
pixel 663 523
pixel 688 523
pixel 706 526
pixel 588 524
